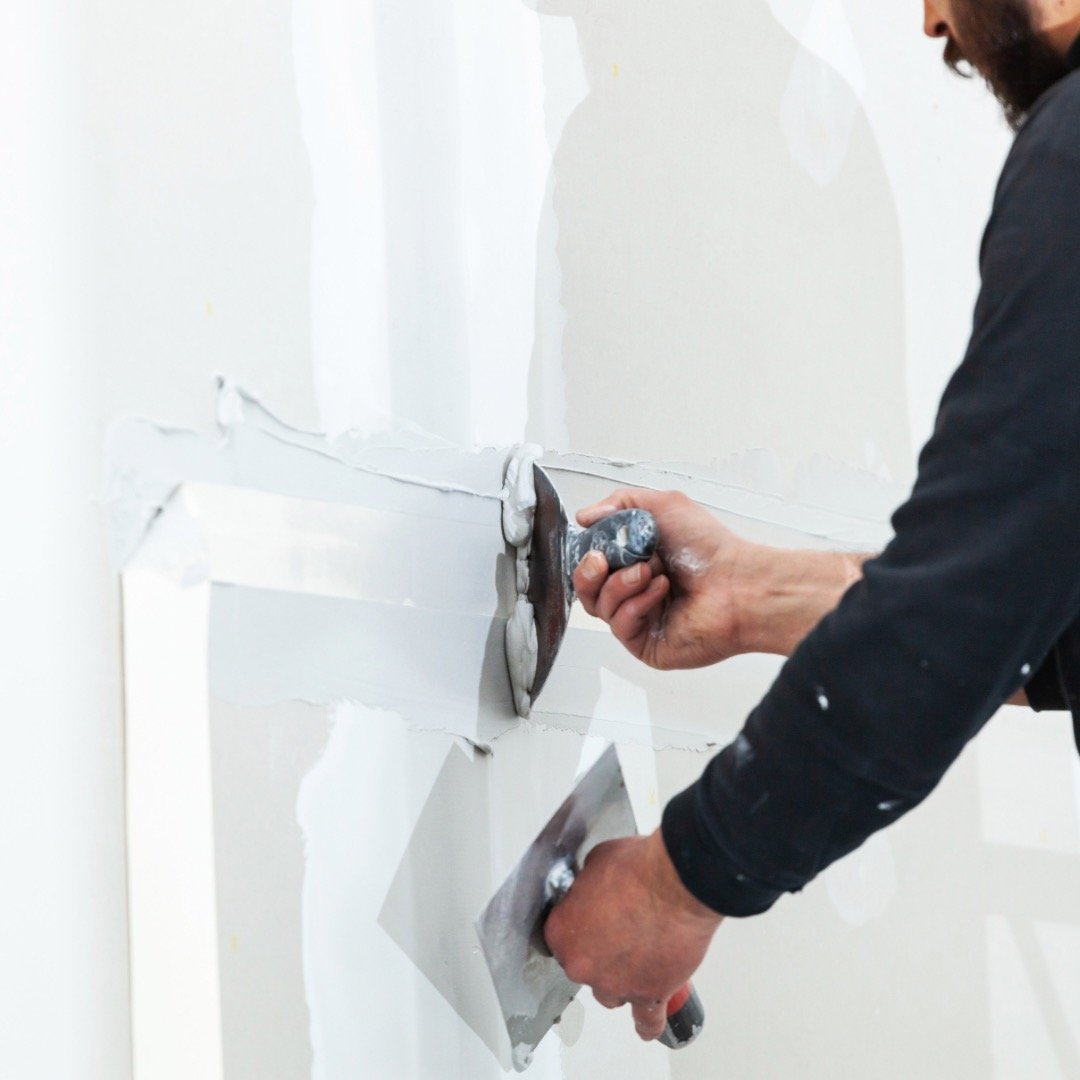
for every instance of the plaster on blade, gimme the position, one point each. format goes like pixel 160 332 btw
pixel 549 548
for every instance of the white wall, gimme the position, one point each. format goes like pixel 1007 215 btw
pixel 670 232
pixel 154 228
pixel 62 928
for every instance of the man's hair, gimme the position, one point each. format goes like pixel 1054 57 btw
pixel 1001 43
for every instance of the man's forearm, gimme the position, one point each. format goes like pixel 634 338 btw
pixel 784 594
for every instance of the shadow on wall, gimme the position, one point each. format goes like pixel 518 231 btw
pixel 719 296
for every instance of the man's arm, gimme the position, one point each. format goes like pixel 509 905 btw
pixel 742 597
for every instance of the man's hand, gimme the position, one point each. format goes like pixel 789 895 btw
pixel 630 930
pixel 708 594
pixel 679 610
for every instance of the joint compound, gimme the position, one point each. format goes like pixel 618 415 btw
pixel 519 495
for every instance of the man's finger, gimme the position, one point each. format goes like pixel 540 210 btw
pixel 589 578
pixel 621 587
pixel 621 499
pixel 650 1019
pixel 610 1002
pixel 642 612
pixel 627 499
pixel 590 515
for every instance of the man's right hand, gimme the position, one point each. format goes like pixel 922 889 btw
pixel 680 609
pixel 708 594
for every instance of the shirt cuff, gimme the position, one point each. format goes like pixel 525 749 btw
pixel 703 868
pixel 1044 690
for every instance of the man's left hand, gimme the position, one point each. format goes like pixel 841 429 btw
pixel 630 930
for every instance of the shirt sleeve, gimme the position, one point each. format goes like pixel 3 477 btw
pixel 981 579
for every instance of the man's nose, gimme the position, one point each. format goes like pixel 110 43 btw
pixel 934 25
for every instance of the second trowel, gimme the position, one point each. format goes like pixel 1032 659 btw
pixel 549 549
pixel 532 988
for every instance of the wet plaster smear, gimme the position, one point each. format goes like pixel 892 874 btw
pixel 375 570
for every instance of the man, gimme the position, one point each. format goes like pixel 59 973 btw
pixel 895 662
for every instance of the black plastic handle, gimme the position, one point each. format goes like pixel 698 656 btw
pixel 686 1018
pixel 625 538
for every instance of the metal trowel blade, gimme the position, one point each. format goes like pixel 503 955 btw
pixel 532 989
pixel 550 590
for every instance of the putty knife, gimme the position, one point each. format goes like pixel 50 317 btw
pixel 549 549
pixel 532 989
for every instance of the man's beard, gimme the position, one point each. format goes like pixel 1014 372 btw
pixel 1001 43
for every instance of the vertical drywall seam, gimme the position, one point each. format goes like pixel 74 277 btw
pixel 338 98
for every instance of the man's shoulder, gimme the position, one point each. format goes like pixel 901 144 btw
pixel 1054 121
pixel 1044 162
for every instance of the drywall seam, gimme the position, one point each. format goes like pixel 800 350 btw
pixel 374 570
pixel 447 487
pixel 340 124
pixel 763 498
pixel 146 461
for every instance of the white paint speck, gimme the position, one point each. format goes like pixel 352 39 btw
pixel 688 562
pixel 889 805
pixel 743 751
pixel 522 1055
pixel 822 699
pixel 1025 670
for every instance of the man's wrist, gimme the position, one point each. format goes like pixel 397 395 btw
pixel 783 594
pixel 667 886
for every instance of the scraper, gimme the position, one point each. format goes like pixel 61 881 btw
pixel 549 549
pixel 532 989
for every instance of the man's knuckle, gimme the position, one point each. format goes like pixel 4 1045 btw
pixel 577 970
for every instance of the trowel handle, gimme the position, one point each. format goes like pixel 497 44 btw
pixel 685 1019
pixel 625 538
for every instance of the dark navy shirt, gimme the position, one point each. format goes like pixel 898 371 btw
pixel 977 595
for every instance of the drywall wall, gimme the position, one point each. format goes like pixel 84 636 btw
pixel 666 234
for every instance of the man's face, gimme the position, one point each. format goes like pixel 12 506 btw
pixel 999 39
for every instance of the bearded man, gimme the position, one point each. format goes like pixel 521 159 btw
pixel 895 662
